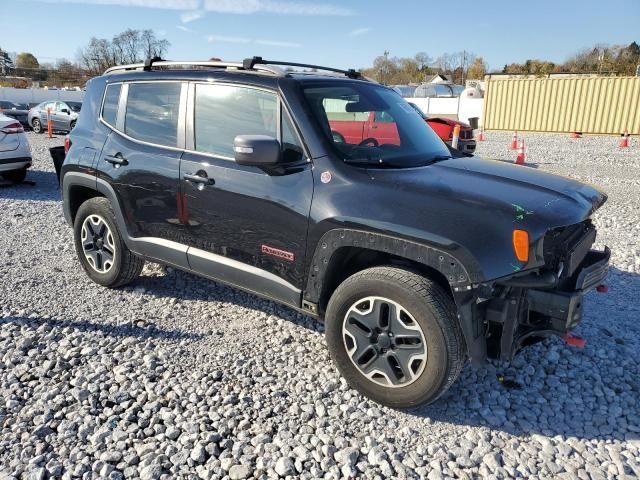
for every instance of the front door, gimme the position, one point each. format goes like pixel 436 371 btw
pixel 245 225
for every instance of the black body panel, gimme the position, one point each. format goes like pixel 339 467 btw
pixel 276 232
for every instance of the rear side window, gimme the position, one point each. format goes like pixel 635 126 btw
pixel 110 106
pixel 152 112
pixel 222 112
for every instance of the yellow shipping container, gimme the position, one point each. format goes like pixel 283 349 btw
pixel 601 105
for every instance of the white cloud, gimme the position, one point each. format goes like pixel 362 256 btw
pixel 187 17
pixel 226 39
pixel 277 43
pixel 359 31
pixel 282 7
pixel 242 7
pixel 247 40
pixel 163 4
pixel 184 29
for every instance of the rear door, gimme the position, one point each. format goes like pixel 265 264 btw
pixel 141 157
pixel 245 225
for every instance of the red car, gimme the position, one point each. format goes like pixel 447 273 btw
pixel 379 127
pixel 444 128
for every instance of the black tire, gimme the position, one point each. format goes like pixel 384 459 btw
pixel 72 125
pixel 15 176
pixel 126 266
pixel 432 309
pixel 36 125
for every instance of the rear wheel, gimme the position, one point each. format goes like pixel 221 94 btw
pixel 36 125
pixel 72 125
pixel 100 248
pixel 15 176
pixel 394 336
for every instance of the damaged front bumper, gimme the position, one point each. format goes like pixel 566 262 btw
pixel 501 317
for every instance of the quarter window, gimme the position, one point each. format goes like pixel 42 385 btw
pixel 152 112
pixel 291 148
pixel 110 106
pixel 222 112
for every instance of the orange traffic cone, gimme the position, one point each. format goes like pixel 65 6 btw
pixel 520 156
pixel 514 140
pixel 624 143
pixel 481 135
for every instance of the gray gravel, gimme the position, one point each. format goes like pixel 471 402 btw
pixel 179 377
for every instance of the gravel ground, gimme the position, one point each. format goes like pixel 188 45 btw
pixel 179 377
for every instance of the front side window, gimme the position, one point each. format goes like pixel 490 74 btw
pixel 110 106
pixel 223 112
pixel 152 112
pixel 372 125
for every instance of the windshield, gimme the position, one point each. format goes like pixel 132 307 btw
pixel 373 125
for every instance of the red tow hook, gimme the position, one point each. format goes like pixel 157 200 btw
pixel 602 288
pixel 574 340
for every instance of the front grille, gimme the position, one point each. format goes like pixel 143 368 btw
pixel 466 134
pixel 569 246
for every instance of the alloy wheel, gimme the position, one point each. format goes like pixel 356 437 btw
pixel 384 342
pixel 97 242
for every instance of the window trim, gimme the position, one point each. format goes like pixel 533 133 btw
pixel 190 134
pixel 122 108
pixel 104 99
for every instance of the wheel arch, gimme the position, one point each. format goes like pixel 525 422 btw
pixel 342 252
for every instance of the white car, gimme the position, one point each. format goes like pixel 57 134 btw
pixel 15 151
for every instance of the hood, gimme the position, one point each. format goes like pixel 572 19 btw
pixel 474 204
pixel 549 199
pixel 448 121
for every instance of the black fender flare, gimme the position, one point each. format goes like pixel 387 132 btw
pixel 455 263
pixel 458 266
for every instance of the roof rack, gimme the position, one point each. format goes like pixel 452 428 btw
pixel 251 63
pixel 256 64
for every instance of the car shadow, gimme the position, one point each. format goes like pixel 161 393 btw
pixel 39 185
pixel 564 396
pixel 186 286
pixel 122 330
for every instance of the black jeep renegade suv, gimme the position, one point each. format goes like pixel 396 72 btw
pixel 416 257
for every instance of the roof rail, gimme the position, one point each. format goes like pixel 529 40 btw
pixel 150 63
pixel 251 63
pixel 256 64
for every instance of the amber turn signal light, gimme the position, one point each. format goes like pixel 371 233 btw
pixel 521 245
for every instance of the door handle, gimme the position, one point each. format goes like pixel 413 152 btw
pixel 198 179
pixel 116 160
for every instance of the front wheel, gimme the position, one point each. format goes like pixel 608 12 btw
pixel 100 248
pixel 394 336
pixel 36 125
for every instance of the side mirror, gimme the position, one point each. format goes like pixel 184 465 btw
pixel 257 150
pixel 64 110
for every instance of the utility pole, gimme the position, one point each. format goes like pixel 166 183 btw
pixel 464 62
pixel 386 67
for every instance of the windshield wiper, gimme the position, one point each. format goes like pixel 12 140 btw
pixel 365 161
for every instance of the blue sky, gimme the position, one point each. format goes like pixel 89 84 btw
pixel 330 32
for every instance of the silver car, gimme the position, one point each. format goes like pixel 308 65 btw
pixel 62 115
pixel 15 151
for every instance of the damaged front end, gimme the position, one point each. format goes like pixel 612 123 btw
pixel 522 309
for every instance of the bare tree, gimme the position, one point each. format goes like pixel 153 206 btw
pixel 130 46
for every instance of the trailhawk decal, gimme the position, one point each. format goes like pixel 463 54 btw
pixel 275 252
